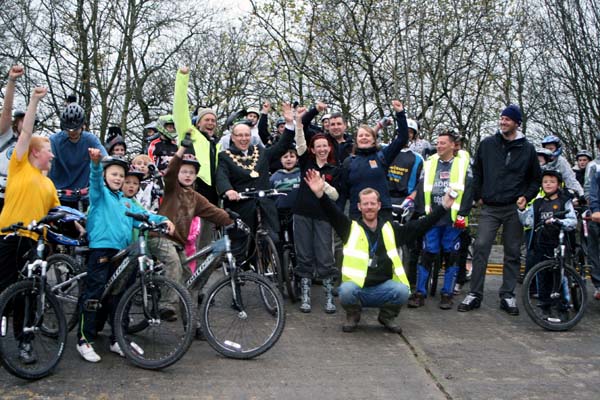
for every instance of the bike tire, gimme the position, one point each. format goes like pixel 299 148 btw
pixel 289 276
pixel 47 348
pixel 148 348
pixel 242 333
pixel 434 276
pixel 61 268
pixel 268 261
pixel 559 314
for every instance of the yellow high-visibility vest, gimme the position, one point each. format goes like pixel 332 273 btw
pixel 458 177
pixel 356 255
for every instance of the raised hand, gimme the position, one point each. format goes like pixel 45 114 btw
pixel 95 155
pixel 266 107
pixel 39 92
pixel 288 112
pixel 321 107
pixel 15 72
pixel 315 182
pixel 397 105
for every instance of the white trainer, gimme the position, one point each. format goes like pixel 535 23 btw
pixel 115 348
pixel 88 353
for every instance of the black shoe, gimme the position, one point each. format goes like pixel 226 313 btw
pixel 26 353
pixel 390 325
pixel 168 315
pixel 446 302
pixel 200 334
pixel 470 302
pixel 509 305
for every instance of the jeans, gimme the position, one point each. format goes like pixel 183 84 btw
pixel 490 220
pixel 171 254
pixel 388 292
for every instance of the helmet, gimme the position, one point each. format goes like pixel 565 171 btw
pixel 190 159
pixel 133 172
pixel 280 121
pixel 552 172
pixel 253 110
pixel 71 117
pixel 551 139
pixel 18 114
pixel 584 153
pixel 70 214
pixel 412 124
pixel 160 126
pixel 115 160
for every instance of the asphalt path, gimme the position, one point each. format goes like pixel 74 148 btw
pixel 483 354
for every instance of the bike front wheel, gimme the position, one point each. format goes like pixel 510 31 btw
pixel 32 339
pixel 61 268
pixel 554 301
pixel 160 343
pixel 247 325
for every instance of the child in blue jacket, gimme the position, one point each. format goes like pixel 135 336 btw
pixel 109 230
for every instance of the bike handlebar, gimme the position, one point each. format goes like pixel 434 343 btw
pixel 258 194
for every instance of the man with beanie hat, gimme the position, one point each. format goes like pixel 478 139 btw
pixel 506 174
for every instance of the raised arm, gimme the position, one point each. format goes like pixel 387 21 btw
pixel 391 151
pixel 22 145
pixel 300 139
pixel 263 123
pixel 15 72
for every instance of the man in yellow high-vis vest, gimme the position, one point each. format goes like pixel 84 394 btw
pixel 372 271
pixel 443 172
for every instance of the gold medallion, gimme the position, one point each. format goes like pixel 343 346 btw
pixel 254 174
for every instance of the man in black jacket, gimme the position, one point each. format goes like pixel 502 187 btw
pixel 506 174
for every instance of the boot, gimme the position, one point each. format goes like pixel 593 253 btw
pixel 329 305
pixel 305 297
pixel 352 317
pixel 387 317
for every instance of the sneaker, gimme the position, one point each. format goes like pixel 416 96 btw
pixel 446 302
pixel 597 294
pixel 457 289
pixel 470 302
pixel 416 300
pixel 168 315
pixel 509 305
pixel 88 353
pixel 115 348
pixel 26 355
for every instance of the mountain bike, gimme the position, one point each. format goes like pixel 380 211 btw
pixel 288 257
pixel 553 293
pixel 242 313
pixel 31 316
pixel 265 252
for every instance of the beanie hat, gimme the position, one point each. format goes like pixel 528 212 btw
pixel 513 112
pixel 204 111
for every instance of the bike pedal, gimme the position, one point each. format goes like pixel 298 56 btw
pixel 92 305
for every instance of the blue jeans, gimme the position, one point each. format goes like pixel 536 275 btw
pixel 388 292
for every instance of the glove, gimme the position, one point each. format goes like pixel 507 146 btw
pixel 408 203
pixel 460 222
pixel 187 141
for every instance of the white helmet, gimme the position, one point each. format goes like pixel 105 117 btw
pixel 412 124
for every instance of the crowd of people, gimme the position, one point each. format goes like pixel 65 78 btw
pixel 369 220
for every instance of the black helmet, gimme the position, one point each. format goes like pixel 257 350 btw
pixel 71 117
pixel 552 172
pixel 134 172
pixel 115 160
pixel 585 153
pixel 18 114
pixel 191 160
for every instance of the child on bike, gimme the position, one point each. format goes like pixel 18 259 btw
pixel 543 241
pixel 181 203
pixel 109 230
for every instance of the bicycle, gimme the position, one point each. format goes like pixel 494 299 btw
pixel 72 196
pixel 267 257
pixel 288 258
pixel 242 313
pixel 553 293
pixel 31 316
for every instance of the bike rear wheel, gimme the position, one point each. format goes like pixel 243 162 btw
pixel 268 261
pixel 61 268
pixel 289 276
pixel 551 302
pixel 160 343
pixel 46 330
pixel 245 328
